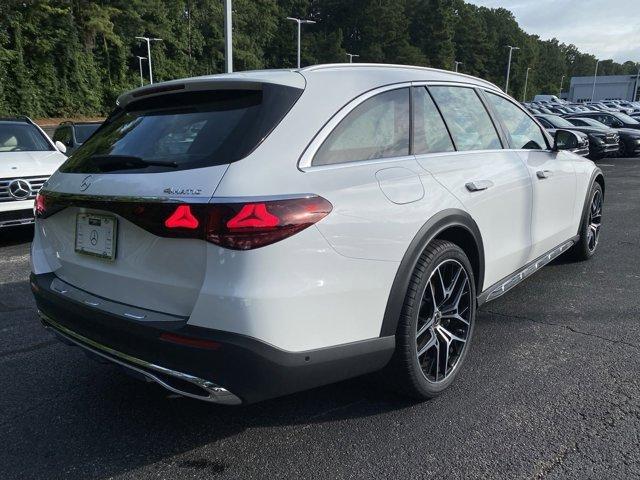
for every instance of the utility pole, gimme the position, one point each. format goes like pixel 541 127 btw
pixel 299 22
pixel 149 40
pixel 511 49
pixel 526 80
pixel 456 66
pixel 228 37
pixel 140 65
pixel 593 91
pixel 351 55
pixel 560 92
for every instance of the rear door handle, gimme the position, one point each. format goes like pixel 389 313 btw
pixel 542 174
pixel 478 185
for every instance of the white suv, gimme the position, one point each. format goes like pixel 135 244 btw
pixel 238 237
pixel 27 158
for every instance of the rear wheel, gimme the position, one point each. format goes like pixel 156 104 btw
pixel 436 324
pixel 590 226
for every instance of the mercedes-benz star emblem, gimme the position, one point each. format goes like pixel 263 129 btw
pixel 86 183
pixel 20 189
pixel 94 237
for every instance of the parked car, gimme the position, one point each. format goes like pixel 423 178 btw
pixel 629 138
pixel 27 159
pixel 602 142
pixel 253 234
pixel 74 134
pixel 582 146
pixel 611 119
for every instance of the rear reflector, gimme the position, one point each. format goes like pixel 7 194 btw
pixel 189 341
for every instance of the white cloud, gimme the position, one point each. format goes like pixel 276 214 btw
pixel 605 28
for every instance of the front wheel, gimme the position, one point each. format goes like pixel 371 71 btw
pixel 590 226
pixel 436 325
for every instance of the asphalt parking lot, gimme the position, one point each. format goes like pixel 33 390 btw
pixel 551 389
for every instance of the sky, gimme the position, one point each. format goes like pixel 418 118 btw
pixel 605 28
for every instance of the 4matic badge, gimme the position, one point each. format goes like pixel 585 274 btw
pixel 182 191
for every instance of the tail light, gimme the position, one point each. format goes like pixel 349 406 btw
pixel 237 226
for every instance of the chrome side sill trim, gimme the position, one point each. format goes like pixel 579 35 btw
pixel 506 284
pixel 216 394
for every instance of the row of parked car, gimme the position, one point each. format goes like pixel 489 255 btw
pixel 612 128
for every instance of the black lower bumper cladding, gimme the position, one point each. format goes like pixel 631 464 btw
pixel 239 369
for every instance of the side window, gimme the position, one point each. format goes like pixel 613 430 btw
pixel 377 128
pixel 606 119
pixel 467 119
pixel 523 131
pixel 544 123
pixel 430 134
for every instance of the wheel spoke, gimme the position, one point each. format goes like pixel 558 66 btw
pixel 427 325
pixel 448 336
pixel 432 341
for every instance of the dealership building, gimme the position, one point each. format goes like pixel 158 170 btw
pixel 609 87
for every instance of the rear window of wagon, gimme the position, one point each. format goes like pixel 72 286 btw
pixel 184 130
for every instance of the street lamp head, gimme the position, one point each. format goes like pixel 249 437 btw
pixel 307 21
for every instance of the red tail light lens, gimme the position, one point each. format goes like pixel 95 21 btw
pixel 238 226
pixel 244 226
pixel 189 341
pixel 182 218
pixel 40 205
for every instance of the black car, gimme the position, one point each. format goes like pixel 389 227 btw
pixel 602 141
pixel 610 119
pixel 629 138
pixel 74 134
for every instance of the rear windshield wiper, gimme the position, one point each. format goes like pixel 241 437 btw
pixel 108 163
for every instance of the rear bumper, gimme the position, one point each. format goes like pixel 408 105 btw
pixel 238 369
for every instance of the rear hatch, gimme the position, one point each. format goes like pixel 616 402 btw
pixel 103 214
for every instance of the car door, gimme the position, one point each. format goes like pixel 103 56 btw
pixel 492 183
pixel 552 175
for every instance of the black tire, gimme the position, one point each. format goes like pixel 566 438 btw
pixel 622 151
pixel 404 371
pixel 585 248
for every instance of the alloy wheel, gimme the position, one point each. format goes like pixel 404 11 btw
pixel 595 221
pixel 444 321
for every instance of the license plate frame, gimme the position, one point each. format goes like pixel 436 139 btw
pixel 99 241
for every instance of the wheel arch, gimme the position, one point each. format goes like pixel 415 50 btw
pixel 453 225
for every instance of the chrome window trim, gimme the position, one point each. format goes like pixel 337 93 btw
pixel 306 159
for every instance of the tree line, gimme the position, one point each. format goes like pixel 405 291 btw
pixel 74 57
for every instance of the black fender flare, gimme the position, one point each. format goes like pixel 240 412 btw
pixel 452 217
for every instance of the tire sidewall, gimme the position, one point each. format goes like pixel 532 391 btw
pixel 584 226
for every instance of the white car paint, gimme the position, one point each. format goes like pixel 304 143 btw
pixel 329 284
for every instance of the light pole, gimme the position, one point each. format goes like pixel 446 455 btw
pixel 456 65
pixel 140 65
pixel 149 40
pixel 635 92
pixel 560 92
pixel 593 91
pixel 299 22
pixel 351 55
pixel 228 37
pixel 511 49
pixel 526 80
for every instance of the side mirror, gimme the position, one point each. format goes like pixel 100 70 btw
pixel 565 140
pixel 60 146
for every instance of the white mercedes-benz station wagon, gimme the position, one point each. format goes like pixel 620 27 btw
pixel 242 236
